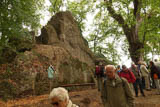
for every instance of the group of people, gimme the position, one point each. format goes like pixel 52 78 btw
pixel 116 91
pixel 142 76
pixel 127 81
pixel 117 86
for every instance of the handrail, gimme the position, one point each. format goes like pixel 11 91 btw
pixel 70 85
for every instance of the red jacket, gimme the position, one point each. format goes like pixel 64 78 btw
pixel 128 75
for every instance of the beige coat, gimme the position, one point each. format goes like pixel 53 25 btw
pixel 117 93
pixel 144 71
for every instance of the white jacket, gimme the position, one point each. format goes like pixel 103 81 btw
pixel 144 71
pixel 70 104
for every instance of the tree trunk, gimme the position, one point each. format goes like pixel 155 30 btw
pixel 135 48
pixel 33 36
pixel 131 33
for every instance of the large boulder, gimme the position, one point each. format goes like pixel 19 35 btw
pixel 61 45
pixel 62 30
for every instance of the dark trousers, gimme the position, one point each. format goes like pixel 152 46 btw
pixel 153 85
pixel 136 84
pixel 143 83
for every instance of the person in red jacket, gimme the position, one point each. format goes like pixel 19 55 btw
pixel 127 74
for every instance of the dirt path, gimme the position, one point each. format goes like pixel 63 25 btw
pixel 87 98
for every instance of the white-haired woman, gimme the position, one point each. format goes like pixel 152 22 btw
pixel 59 98
pixel 145 74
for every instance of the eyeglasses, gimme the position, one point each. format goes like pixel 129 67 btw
pixel 55 103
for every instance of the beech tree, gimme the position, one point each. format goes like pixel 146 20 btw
pixel 133 16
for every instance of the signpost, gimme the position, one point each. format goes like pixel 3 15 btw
pixel 51 73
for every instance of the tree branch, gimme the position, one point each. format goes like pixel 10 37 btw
pixel 136 4
pixel 137 9
pixel 144 35
pixel 54 6
pixel 119 19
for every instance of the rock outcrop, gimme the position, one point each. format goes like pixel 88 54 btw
pixel 62 30
pixel 61 45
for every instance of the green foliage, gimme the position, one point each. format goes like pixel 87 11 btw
pixel 79 10
pixel 17 19
pixel 56 6
pixel 104 36
pixel 149 31
pixel 106 27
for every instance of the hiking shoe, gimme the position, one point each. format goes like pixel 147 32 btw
pixel 148 89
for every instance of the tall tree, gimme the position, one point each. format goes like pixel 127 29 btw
pixel 130 14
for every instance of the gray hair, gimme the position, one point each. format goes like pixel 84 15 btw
pixel 60 92
pixel 110 66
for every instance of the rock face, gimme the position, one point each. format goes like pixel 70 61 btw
pixel 62 30
pixel 61 45
pixel 69 48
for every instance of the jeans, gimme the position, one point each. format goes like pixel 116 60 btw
pixel 143 83
pixel 136 84
pixel 99 82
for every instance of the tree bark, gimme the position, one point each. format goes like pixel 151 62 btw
pixel 131 33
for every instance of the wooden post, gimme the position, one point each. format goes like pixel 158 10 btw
pixel 50 85
pixel 33 76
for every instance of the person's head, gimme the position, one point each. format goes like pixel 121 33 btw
pixel 59 97
pixel 100 63
pixel 124 67
pixel 132 63
pixel 151 63
pixel 155 60
pixel 141 62
pixel 118 67
pixel 110 71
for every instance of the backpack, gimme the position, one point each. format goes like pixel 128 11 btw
pixel 139 68
pixel 102 70
pixel 132 76
pixel 97 70
pixel 158 71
